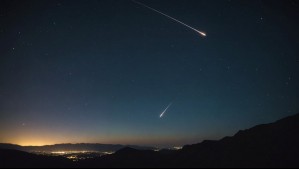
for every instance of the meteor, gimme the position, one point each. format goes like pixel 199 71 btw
pixel 161 115
pixel 176 20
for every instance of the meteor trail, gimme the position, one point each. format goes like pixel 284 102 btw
pixel 190 27
pixel 161 115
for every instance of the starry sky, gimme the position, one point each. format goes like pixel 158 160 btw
pixel 103 71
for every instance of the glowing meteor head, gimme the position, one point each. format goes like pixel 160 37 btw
pixel 202 33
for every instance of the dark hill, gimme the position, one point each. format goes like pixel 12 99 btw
pixel 19 159
pixel 268 145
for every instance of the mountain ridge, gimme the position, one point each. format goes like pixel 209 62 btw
pixel 72 147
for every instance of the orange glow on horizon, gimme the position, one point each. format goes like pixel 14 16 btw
pixel 43 138
pixel 124 141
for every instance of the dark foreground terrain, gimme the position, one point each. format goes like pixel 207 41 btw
pixel 268 145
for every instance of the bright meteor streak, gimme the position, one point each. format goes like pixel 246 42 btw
pixel 161 115
pixel 190 27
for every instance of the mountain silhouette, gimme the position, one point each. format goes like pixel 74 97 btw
pixel 72 147
pixel 268 145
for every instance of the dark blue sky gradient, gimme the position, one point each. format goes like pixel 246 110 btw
pixel 103 71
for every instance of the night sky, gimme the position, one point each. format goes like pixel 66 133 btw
pixel 103 71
